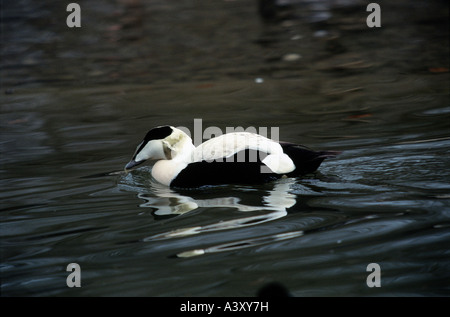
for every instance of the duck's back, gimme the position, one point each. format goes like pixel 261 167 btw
pixel 229 144
pixel 220 161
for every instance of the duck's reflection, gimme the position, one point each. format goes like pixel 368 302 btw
pixel 169 202
pixel 235 245
pixel 266 204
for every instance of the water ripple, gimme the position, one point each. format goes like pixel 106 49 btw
pixel 221 225
pixel 236 245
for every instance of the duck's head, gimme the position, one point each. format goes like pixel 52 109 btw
pixel 160 143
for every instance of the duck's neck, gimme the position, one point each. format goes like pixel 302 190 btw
pixel 183 150
pixel 181 154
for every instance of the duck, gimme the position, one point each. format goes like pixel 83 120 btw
pixel 231 158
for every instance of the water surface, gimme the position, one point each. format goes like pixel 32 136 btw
pixel 76 102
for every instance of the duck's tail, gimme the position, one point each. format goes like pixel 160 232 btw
pixel 306 160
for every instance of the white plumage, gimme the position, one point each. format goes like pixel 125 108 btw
pixel 225 146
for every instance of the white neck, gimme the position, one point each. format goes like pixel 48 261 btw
pixel 180 145
pixel 181 150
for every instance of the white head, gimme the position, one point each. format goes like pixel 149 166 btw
pixel 162 143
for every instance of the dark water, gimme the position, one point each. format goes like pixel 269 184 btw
pixel 76 102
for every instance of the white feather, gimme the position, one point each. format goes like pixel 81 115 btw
pixel 164 171
pixel 153 149
pixel 279 163
pixel 227 145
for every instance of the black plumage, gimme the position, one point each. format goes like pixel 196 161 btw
pixel 246 167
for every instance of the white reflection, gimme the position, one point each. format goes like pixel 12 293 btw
pixel 169 202
pixel 221 225
pixel 241 244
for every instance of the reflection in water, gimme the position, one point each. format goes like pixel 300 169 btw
pixel 175 203
pixel 221 225
pixel 241 244
pixel 168 202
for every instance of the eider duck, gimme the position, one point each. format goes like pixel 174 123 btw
pixel 232 158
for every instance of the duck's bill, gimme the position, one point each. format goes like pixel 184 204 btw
pixel 132 164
